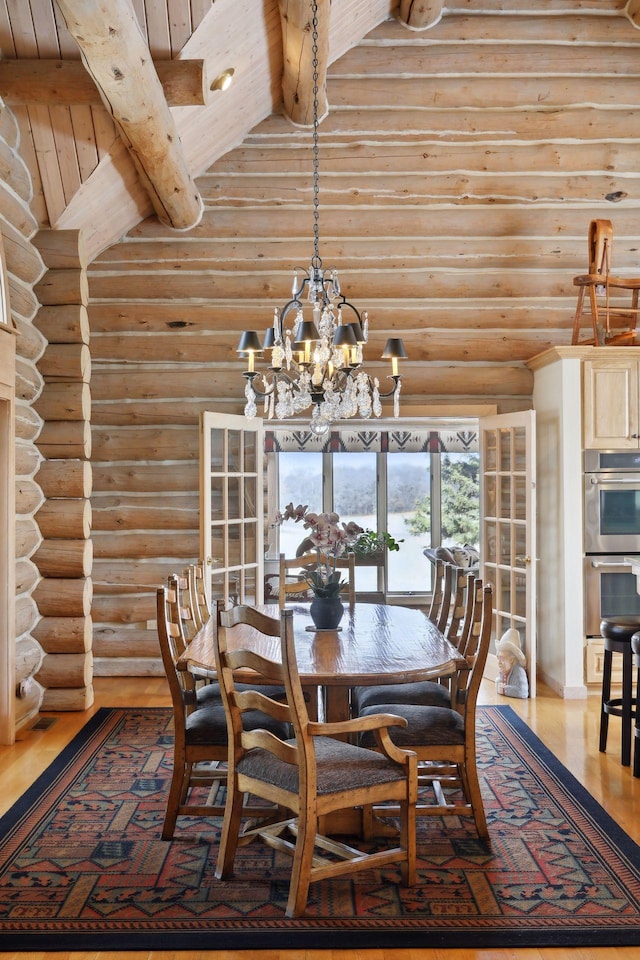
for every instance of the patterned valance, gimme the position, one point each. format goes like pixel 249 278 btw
pixel 456 439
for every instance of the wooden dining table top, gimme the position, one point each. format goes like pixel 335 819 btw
pixel 376 643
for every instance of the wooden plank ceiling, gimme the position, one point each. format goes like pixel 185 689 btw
pixel 77 155
pixel 86 158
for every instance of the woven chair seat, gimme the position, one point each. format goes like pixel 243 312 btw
pixel 340 766
pixel 208 724
pixel 426 693
pixel 210 692
pixel 425 725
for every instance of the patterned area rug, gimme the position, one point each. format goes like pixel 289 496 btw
pixel 82 865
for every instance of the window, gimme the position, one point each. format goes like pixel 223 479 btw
pixel 419 484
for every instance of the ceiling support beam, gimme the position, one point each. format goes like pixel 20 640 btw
pixel 52 82
pixel 632 11
pixel 116 55
pixel 420 14
pixel 296 17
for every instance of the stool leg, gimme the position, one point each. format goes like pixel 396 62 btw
pixel 627 706
pixel 606 693
pixel 636 728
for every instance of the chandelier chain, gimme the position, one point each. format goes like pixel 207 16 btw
pixel 317 262
pixel 317 362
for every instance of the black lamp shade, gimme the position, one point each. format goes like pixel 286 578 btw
pixel 269 339
pixel 307 332
pixel 249 342
pixel 345 336
pixel 357 331
pixel 394 349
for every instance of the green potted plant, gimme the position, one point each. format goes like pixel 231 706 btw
pixel 373 543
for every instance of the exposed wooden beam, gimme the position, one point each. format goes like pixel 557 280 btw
pixel 633 12
pixel 47 82
pixel 297 54
pixel 116 55
pixel 420 14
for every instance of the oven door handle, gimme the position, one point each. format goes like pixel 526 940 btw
pixel 601 564
pixel 595 481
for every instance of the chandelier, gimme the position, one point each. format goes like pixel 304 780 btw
pixel 317 362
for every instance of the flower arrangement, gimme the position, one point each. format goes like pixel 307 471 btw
pixel 329 538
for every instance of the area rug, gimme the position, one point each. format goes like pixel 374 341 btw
pixel 82 865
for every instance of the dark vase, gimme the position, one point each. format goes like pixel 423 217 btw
pixel 326 612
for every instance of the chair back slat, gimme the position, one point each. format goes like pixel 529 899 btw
pixel 436 590
pixel 197 593
pixel 237 703
pixel 467 681
pixel 445 603
pixel 172 646
pixel 457 604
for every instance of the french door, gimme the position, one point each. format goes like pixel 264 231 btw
pixel 508 529
pixel 231 507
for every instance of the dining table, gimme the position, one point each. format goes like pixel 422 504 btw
pixel 375 643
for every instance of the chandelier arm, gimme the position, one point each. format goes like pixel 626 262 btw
pixel 396 380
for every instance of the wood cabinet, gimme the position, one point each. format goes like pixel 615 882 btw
pixel 585 398
pixel 611 401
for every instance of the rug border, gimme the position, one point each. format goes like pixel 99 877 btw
pixel 311 935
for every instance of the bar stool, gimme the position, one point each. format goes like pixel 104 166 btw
pixel 617 633
pixel 635 649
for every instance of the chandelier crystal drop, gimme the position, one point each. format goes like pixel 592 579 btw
pixel 317 362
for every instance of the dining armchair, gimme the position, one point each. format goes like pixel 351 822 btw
pixel 444 737
pixel 292 585
pixel 311 775
pixel 433 692
pixel 200 728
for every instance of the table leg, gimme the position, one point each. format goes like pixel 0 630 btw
pixel 336 703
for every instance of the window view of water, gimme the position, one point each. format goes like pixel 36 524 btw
pixel 403 507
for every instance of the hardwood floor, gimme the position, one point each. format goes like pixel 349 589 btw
pixel 568 727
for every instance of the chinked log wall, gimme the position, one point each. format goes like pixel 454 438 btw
pixel 65 555
pixel 24 269
pixel 459 170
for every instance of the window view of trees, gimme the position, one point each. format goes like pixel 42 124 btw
pixel 419 486
pixel 460 495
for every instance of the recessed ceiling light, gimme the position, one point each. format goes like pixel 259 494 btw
pixel 223 80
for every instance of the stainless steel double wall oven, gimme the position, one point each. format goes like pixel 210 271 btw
pixel 611 533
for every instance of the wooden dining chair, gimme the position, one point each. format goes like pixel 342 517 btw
pixel 599 293
pixel 200 728
pixel 444 738
pixel 312 775
pixel 430 692
pixel 293 586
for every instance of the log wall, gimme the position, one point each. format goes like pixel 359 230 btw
pixel 65 555
pixel 25 268
pixel 459 169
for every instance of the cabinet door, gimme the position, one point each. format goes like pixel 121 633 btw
pixel 610 397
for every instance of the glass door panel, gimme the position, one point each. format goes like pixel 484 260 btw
pixel 508 529
pixel 231 513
